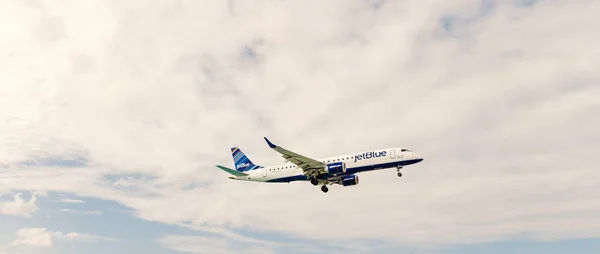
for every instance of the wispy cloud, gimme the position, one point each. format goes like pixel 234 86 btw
pixel 227 233
pixel 42 237
pixel 95 212
pixel 73 201
pixel 203 244
pixel 82 237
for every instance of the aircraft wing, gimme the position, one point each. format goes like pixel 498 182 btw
pixel 309 166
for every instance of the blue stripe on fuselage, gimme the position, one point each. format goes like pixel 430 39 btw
pixel 349 171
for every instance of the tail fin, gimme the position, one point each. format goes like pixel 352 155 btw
pixel 242 163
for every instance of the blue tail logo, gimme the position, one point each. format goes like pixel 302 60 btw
pixel 242 163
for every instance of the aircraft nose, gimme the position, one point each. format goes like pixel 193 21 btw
pixel 418 158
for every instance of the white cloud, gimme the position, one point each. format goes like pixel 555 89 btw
pixel 82 237
pixel 69 200
pixel 93 212
pixel 19 207
pixel 228 234
pixel 201 244
pixel 33 236
pixel 500 110
pixel 220 239
pixel 42 237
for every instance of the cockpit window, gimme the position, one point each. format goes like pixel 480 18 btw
pixel 405 150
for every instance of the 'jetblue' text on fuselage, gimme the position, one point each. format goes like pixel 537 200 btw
pixel 369 155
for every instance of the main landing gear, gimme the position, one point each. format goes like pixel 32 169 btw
pixel 315 182
pixel 398 169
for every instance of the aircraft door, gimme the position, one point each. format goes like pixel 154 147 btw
pixel 264 172
pixel 392 153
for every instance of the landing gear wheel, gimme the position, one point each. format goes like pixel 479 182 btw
pixel 324 189
pixel 314 181
pixel 399 174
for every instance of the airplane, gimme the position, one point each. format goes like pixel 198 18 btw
pixel 340 170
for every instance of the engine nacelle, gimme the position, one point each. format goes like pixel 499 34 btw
pixel 350 180
pixel 336 168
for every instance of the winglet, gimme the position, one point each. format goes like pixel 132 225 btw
pixel 231 171
pixel 270 144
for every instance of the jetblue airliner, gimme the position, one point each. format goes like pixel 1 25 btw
pixel 340 170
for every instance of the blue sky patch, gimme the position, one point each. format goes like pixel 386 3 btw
pixel 526 3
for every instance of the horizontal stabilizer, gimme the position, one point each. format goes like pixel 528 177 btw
pixel 232 171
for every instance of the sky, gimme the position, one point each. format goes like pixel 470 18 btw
pixel 113 115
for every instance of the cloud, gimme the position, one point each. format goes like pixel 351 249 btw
pixel 73 201
pixel 82 237
pixel 19 207
pixel 228 234
pixel 42 237
pixel 95 212
pixel 139 101
pixel 33 236
pixel 201 244
pixel 222 240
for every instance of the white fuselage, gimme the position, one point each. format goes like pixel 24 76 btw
pixel 355 163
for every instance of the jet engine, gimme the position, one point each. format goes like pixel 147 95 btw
pixel 336 168
pixel 350 180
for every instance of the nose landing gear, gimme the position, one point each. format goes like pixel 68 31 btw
pixel 398 169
